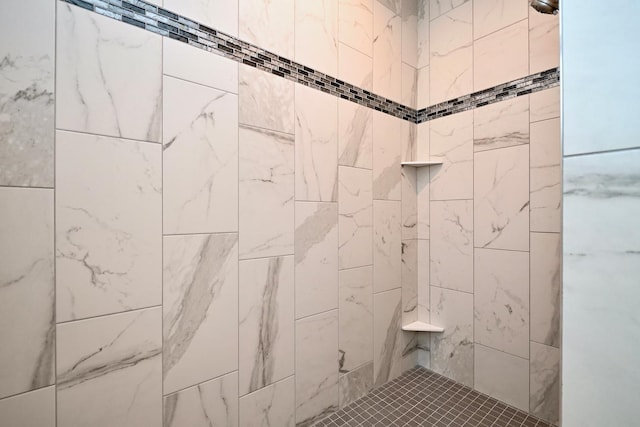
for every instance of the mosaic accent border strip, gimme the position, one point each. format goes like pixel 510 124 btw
pixel 168 24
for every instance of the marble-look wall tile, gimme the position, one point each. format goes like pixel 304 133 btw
pixel 387 245
pixel 422 47
pixel 316 147
pixel 424 272
pixel 492 15
pixel 408 143
pixel 409 203
pixel 108 225
pixel 386 156
pixel 501 194
pixel 451 47
pixel 266 193
pixel 423 94
pixel 546 287
pixel 200 159
pixel 355 67
pixel 409 95
pixel 266 322
pixel 424 350
pixel 410 252
pixel 452 350
pixel 356 318
pixel 387 52
pixel 503 124
pixel 111 367
pixel 356 384
pixel 452 244
pixel 452 141
pixel 214 403
pixel 96 92
pixel 423 137
pixel 34 409
pixel 544 383
pixel 507 47
pixel 26 93
pixel 274 405
pixel 423 188
pixel 545 104
pixel 219 14
pixel 316 257
pixel 266 100
pixel 546 176
pixel 389 341
pixel 268 24
pixel 409 14
pixel 544 41
pixel 355 218
pixel 439 7
pixel 356 24
pixel 316 35
pixel 200 294
pixel 27 323
pixel 199 66
pixel 501 301
pixel 502 376
pixel 355 135
pixel 316 367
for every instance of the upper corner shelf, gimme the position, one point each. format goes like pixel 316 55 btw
pixel 422 327
pixel 432 161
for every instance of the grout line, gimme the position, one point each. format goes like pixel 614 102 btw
pixel 99 316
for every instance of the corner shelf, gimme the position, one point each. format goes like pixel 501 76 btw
pixel 419 164
pixel 422 327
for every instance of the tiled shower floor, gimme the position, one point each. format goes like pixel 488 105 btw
pixel 423 398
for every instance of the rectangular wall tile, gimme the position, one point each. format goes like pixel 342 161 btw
pixel 544 41
pixel 268 24
pixel 266 322
pixel 355 67
pixel 200 294
pixel 387 52
pixel 316 258
pixel 439 7
pixel 266 193
pixel 356 384
pixel 26 95
pixel 316 35
pixel 410 289
pixel 108 225
pixel 26 291
pixel 546 176
pixel 111 367
pixel 423 35
pixel 219 14
pixel 452 350
pixel 501 194
pixel 501 301
pixel 423 190
pixel 409 14
pixel 273 405
pixel 387 245
pixel 502 376
pixel 355 220
pixel 546 288
pixel 409 203
pixel 424 273
pixel 389 341
pixel 386 156
pixel 316 367
pixel 452 140
pixel 34 409
pixel 355 135
pixel 356 24
pixel 423 97
pixel 409 141
pixel 544 382
pixel 545 104
pixel 96 92
pixel 503 124
pixel 200 159
pixel 409 80
pixel 213 402
pixel 356 318
pixel 452 245
pixel 492 15
pixel 316 145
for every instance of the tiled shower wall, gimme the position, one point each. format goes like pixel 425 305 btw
pixel 488 239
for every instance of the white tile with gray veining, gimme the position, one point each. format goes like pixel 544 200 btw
pixel 386 156
pixel 266 183
pixel 546 288
pixel 439 7
pixel 387 245
pixel 111 367
pixel 423 95
pixel 316 258
pixel 96 92
pixel 316 35
pixel 452 350
pixel 26 93
pixel 316 147
pixel 503 124
pixel 355 135
pixel 200 294
pixel 356 318
pixel 108 225
pixel 502 376
pixel 387 52
pixel 271 406
pixel 355 218
pixel 355 67
pixel 409 203
pixel 409 96
pixel 268 24
pixel 355 24
pixel 501 300
pixel 200 159
pixel 34 409
pixel 546 176
pixel 316 367
pixel 424 271
pixel 423 193
pixel 409 14
pixel 544 382
pixel 452 244
pixel 409 144
pixel 422 46
pixel 26 290
pixel 356 384
pixel 501 196
pixel 219 14
pixel 544 41
pixel 410 289
pixel 545 104
pixel 266 322
pixel 210 403
pixel 389 341
pixel 492 15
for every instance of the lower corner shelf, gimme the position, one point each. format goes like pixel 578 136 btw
pixel 422 327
